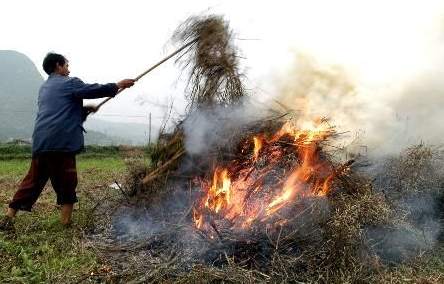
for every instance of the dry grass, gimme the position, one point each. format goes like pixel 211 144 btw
pixel 324 242
pixel 212 62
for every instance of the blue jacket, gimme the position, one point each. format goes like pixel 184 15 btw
pixel 58 126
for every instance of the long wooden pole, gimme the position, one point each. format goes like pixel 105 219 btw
pixel 150 69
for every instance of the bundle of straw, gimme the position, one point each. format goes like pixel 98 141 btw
pixel 214 76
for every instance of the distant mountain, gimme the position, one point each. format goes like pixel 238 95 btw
pixel 19 84
pixel 132 133
pixel 99 138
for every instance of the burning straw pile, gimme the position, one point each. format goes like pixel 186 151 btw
pixel 271 205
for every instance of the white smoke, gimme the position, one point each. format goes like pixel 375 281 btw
pixel 206 129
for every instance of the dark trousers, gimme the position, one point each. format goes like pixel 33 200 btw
pixel 60 168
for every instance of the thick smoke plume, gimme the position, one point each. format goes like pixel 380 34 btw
pixel 386 119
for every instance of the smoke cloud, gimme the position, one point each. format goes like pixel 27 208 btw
pixel 206 129
pixel 386 119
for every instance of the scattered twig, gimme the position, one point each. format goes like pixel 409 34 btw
pixel 122 191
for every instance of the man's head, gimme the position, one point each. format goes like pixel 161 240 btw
pixel 55 63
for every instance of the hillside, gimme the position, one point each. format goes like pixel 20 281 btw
pixel 19 83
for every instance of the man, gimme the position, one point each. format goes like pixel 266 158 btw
pixel 58 137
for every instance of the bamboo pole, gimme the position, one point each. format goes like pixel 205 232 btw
pixel 150 69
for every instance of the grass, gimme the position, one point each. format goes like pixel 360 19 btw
pixel 427 268
pixel 12 151
pixel 43 250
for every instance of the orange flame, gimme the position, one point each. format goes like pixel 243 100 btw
pixel 257 146
pixel 219 194
pixel 295 182
pixel 242 197
pixel 198 219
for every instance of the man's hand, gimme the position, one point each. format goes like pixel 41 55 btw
pixel 126 83
pixel 90 108
pixel 87 110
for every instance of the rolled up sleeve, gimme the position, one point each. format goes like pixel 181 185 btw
pixel 82 90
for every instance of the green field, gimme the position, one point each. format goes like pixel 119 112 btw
pixel 43 251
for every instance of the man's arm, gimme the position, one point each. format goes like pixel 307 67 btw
pixel 94 91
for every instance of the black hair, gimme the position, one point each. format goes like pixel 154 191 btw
pixel 51 60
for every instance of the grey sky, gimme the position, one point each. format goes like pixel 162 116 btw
pixel 382 43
